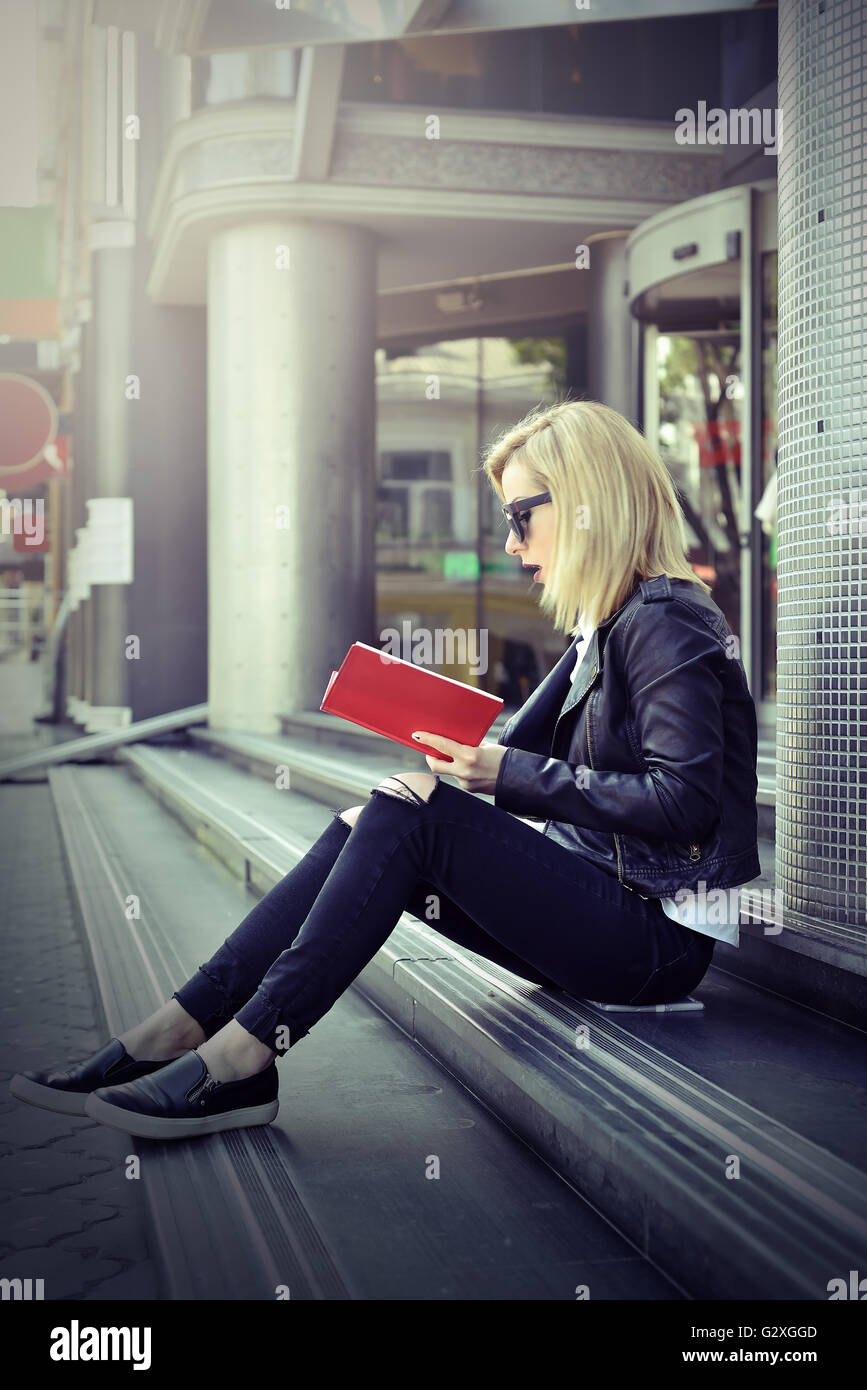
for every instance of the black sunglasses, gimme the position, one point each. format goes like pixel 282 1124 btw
pixel 518 513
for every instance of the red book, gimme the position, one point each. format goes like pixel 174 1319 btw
pixel 393 697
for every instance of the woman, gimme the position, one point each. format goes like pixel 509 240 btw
pixel 644 764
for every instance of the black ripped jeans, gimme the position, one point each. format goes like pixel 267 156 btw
pixel 472 872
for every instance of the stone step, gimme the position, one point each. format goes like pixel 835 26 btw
pixel 725 1144
pixel 329 1201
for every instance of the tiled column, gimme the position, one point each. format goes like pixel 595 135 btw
pixel 822 605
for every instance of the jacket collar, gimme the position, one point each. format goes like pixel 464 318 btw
pixel 592 664
pixel 649 590
pixel 554 696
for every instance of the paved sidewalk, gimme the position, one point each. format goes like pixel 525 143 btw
pixel 68 1213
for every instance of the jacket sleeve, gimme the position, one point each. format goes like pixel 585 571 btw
pixel 672 666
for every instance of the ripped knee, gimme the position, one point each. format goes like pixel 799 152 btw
pixel 422 782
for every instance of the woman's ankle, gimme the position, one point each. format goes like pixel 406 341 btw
pixel 168 1033
pixel 233 1054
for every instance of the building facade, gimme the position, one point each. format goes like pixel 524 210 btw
pixel 311 265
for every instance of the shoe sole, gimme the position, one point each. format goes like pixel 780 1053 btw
pixel 161 1127
pixel 46 1097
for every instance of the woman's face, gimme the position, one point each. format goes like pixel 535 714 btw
pixel 537 547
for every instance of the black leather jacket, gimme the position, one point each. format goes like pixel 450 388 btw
pixel 647 763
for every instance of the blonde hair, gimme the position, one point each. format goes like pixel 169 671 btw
pixel 617 519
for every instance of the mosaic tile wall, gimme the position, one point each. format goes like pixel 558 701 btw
pixel 822 606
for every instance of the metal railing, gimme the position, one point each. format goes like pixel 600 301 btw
pixel 22 622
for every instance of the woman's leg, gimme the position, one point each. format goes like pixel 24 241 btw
pixel 670 981
pixel 431 906
pixel 221 985
pixel 572 922
pixel 676 978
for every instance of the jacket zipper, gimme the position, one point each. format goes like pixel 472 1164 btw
pixel 694 849
pixel 590 751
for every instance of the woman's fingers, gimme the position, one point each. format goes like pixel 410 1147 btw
pixel 448 746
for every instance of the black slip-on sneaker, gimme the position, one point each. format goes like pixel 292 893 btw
pixel 67 1091
pixel 184 1101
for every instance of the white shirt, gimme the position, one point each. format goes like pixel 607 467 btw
pixel 691 912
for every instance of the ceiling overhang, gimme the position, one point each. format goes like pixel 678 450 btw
pixel 216 26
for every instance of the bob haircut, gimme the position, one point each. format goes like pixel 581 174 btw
pixel 617 519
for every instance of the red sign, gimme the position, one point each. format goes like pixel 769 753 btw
pixel 27 544
pixel 28 424
pixel 719 441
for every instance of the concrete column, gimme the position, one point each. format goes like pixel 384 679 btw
pixel 609 323
pixel 291 466
pixel 821 866
pixel 72 513
pixel 168 483
pixel 108 465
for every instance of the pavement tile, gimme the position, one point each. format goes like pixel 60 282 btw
pixel 66 1274
pixel 48 1170
pixel 67 1212
pixel 33 1221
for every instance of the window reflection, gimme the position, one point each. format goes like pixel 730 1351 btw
pixel 253 74
pixel 440 531
pixel 767 509
pixel 700 396
pixel 662 63
pixel 409 509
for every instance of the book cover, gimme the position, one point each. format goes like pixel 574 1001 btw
pixel 393 697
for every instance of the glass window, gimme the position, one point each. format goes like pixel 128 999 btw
pixel 700 395
pixel 442 568
pixel 252 74
pixel 408 508
pixel 427 465
pixel 392 514
pixel 767 508
pixel 660 63
pixel 435 515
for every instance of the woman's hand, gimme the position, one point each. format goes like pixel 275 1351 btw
pixel 474 769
